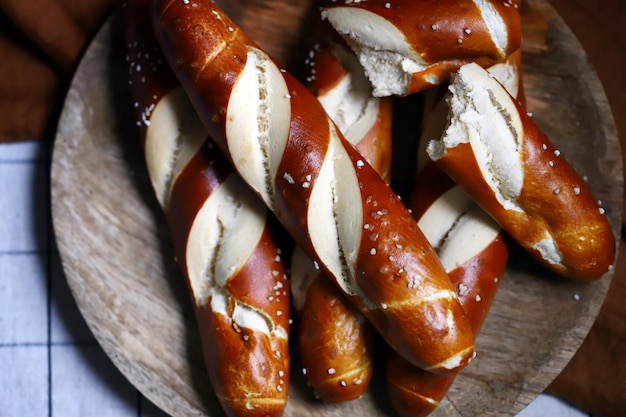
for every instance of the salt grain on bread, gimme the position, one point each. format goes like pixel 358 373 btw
pixel 495 151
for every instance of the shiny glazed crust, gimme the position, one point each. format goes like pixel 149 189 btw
pixel 335 341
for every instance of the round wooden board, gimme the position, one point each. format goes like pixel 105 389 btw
pixel 119 261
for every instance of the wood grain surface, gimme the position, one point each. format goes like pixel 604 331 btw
pixel 119 262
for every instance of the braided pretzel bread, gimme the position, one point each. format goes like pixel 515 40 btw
pixel 494 150
pixel 335 341
pixel 334 205
pixel 407 46
pixel 238 285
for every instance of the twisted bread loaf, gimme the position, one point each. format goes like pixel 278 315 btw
pixel 331 201
pixel 474 253
pixel 221 235
pixel 470 244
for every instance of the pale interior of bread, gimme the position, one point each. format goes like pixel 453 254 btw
pixel 483 114
pixel 335 216
pixel 507 73
pixel 436 109
pixel 244 315
pixel 229 225
pixel 257 130
pixel 223 236
pixel 174 134
pixel 257 125
pixel 303 271
pixel 457 228
pixel 471 234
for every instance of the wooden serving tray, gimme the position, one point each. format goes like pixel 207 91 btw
pixel 119 261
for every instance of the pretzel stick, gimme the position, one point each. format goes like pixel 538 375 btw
pixel 336 343
pixel 334 205
pixel 221 235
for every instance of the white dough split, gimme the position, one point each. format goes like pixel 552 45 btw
pixel 483 114
pixel 174 135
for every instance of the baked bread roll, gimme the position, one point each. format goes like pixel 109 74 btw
pixel 494 150
pixel 407 46
pixel 225 246
pixel 329 199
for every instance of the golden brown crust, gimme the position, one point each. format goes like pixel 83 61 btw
pixel 441 30
pixel 253 377
pixel 376 146
pixel 335 342
pixel 412 391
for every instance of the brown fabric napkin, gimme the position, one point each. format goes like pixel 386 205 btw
pixel 40 44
